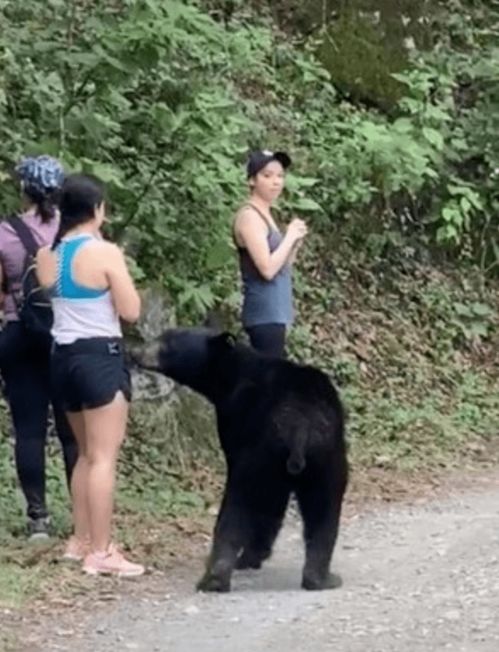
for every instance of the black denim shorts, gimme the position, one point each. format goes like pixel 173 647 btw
pixel 88 373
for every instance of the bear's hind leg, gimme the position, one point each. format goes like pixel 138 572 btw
pixel 320 506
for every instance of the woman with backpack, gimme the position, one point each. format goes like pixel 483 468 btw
pixel 91 290
pixel 24 354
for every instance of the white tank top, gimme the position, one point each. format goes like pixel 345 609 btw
pixel 80 312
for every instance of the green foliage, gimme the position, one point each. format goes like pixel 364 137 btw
pixel 162 100
pixel 164 129
pixel 461 168
pixel 413 355
pixel 10 503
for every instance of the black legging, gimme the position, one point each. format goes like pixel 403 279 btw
pixel 26 374
pixel 269 339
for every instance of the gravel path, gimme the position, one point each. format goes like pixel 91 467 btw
pixel 416 578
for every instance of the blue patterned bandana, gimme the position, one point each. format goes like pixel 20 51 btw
pixel 42 174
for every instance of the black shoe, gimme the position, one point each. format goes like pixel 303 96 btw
pixel 38 529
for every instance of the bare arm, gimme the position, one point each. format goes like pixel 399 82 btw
pixel 125 296
pixel 252 231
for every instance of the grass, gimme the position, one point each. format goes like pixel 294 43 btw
pixel 9 641
pixel 421 389
pixel 22 573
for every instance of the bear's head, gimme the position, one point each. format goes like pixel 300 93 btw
pixel 191 356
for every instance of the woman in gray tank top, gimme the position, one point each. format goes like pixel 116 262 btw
pixel 266 255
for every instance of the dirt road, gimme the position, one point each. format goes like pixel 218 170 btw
pixel 416 578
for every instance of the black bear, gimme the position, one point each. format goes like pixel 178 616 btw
pixel 281 429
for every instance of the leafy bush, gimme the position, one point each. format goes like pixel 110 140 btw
pixel 162 101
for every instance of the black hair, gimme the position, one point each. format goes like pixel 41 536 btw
pixel 80 195
pixel 46 202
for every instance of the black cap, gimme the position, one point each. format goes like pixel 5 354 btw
pixel 259 159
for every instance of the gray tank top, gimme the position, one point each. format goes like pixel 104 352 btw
pixel 265 302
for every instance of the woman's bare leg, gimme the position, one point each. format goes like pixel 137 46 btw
pixel 79 479
pixel 104 433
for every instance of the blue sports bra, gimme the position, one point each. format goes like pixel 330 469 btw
pixel 66 287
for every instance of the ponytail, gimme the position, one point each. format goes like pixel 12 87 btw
pixel 45 202
pixel 61 232
pixel 47 209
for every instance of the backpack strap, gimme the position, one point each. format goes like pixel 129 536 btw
pixel 29 243
pixel 24 234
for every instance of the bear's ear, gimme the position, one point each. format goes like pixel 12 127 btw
pixel 225 340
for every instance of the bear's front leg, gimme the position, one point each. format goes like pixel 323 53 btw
pixel 216 578
pixel 229 537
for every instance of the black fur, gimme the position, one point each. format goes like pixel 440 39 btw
pixel 281 430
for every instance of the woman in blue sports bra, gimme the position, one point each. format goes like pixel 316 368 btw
pixel 91 291
pixel 265 255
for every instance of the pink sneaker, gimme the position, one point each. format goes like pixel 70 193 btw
pixel 111 562
pixel 76 549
